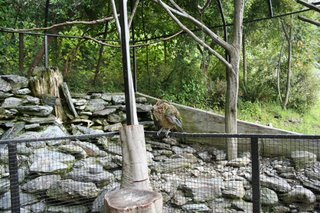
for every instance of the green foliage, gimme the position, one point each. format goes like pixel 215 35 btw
pixel 171 69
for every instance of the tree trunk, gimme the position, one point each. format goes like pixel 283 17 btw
pixel 45 84
pixel 287 30
pixel 97 72
pixel 70 58
pixel 289 73
pixel 39 56
pixel 245 67
pixel 136 194
pixel 231 108
pixel 21 53
pixel 233 80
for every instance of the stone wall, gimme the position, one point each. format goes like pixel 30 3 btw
pixel 197 120
pixel 74 175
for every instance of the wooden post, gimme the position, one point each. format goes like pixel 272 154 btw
pixel 136 194
pixel 134 158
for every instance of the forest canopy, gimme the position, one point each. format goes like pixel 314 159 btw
pixel 169 63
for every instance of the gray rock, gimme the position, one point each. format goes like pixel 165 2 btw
pixel 4 185
pixel 268 197
pixel 67 209
pixel 47 161
pixel 196 208
pixel 4 85
pixel 23 91
pixel 302 159
pixel 104 112
pixel 40 120
pixel 4 95
pixel 77 151
pixel 17 82
pixel 205 156
pixel 32 100
pixel 109 162
pixel 278 184
pixel 179 199
pixel 173 164
pixel 114 118
pixel 41 111
pixel 39 207
pixel 218 154
pixel 53 131
pixel 180 150
pixel 94 105
pixel 95 95
pixel 141 100
pixel 11 102
pixel 34 126
pixel 72 190
pixel 118 99
pixel 48 167
pixel 106 97
pixel 280 209
pixel 233 189
pixel 25 199
pixel 202 190
pixel 84 175
pixel 113 127
pixel 144 107
pixel 300 195
pixel 40 184
pixel 79 102
pixel 23 149
pixel 242 205
pixel 91 149
pixel 239 162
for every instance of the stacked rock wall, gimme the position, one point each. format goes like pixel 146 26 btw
pixel 74 175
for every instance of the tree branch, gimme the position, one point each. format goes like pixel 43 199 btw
pixel 302 18
pixel 204 7
pixel 133 12
pixel 59 25
pixel 115 16
pixel 222 59
pixel 205 29
pixel 136 45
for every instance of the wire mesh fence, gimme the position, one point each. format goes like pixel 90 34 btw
pixel 72 174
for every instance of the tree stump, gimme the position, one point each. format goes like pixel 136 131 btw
pixel 133 200
pixel 135 195
pixel 45 84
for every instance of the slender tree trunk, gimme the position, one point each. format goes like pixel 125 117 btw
pixel 231 105
pixel 289 37
pixel 21 53
pixel 289 74
pixel 233 80
pixel 245 67
pixel 96 74
pixel 278 69
pixel 70 58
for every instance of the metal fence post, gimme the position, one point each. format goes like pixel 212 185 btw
pixel 14 178
pixel 255 175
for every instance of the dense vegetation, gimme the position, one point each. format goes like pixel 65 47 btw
pixel 178 69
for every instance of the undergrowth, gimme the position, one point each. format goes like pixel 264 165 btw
pixel 272 114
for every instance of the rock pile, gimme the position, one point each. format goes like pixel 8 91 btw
pixel 74 175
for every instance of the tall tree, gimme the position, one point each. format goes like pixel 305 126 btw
pixel 288 34
pixel 234 50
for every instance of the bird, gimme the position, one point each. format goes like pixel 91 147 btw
pixel 166 117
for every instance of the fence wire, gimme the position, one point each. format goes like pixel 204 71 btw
pixel 273 173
